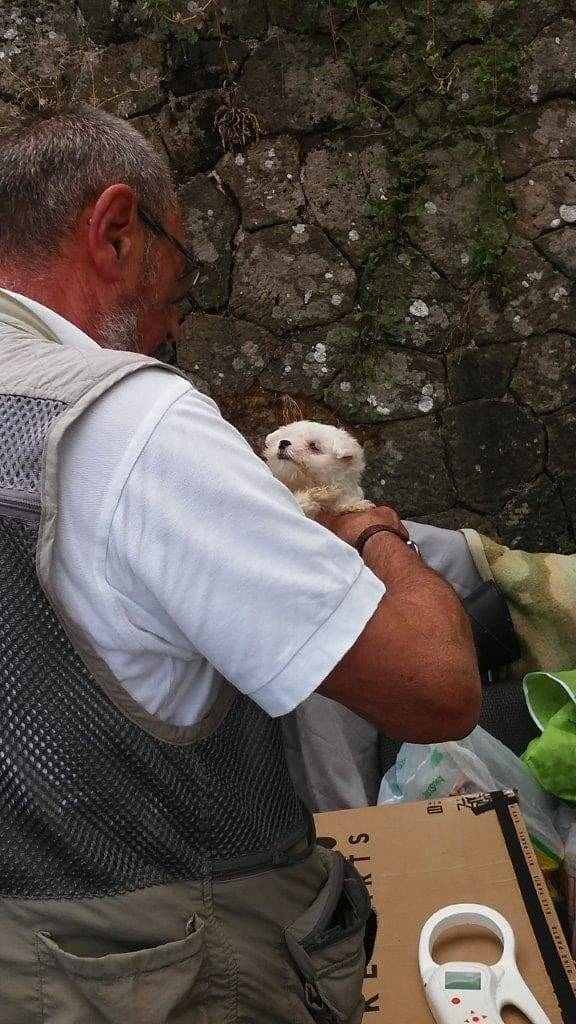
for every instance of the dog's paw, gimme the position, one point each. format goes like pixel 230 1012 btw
pixel 354 506
pixel 310 505
pixel 324 498
pixel 363 505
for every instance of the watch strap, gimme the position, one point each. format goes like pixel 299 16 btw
pixel 380 528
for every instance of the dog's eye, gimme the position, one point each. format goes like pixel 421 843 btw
pixel 314 447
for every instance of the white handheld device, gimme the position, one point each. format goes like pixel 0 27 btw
pixel 469 993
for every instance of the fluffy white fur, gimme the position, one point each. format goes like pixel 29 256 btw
pixel 320 464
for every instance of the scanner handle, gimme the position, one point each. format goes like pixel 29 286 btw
pixel 465 914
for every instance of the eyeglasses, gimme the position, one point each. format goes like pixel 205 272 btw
pixel 188 279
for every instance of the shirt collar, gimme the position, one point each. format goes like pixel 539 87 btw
pixel 43 321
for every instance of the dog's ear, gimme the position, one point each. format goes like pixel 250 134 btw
pixel 342 450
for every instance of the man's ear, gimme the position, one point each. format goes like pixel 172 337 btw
pixel 112 229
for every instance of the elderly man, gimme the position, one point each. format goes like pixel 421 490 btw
pixel 163 602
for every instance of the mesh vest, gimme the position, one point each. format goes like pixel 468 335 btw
pixel 96 796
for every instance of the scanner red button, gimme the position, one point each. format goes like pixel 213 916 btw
pixel 456 1001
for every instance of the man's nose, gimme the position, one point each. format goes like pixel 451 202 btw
pixel 283 444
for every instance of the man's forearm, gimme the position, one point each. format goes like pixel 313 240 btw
pixel 413 671
pixel 394 562
pixel 436 612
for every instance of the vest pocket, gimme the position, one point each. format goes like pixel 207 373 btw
pixel 159 985
pixel 326 944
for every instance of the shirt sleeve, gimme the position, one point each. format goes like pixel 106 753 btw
pixel 215 556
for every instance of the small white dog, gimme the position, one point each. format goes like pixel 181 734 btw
pixel 320 464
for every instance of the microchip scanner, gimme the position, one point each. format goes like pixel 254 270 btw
pixel 471 993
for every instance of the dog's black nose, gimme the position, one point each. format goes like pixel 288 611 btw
pixel 283 444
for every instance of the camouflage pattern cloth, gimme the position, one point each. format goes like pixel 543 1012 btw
pixel 540 591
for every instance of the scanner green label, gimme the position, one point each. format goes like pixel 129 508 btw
pixel 469 981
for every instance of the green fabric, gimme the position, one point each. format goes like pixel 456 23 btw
pixel 551 757
pixel 548 692
pixel 540 591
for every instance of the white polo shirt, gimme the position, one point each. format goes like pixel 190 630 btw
pixel 186 562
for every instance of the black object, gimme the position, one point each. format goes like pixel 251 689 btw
pixel 549 950
pixel 398 531
pixel 370 935
pixel 494 636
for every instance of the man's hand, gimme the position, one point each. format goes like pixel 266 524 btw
pixel 413 671
pixel 350 525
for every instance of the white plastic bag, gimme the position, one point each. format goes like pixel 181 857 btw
pixel 479 763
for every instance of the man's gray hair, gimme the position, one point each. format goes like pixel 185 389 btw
pixel 53 165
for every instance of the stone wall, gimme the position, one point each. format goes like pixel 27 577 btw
pixel 382 199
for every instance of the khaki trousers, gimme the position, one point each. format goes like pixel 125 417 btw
pixel 252 949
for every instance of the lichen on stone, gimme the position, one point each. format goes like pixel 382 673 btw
pixel 380 202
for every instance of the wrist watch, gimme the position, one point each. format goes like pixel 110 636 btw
pixel 398 532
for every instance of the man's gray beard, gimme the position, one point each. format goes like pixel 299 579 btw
pixel 119 329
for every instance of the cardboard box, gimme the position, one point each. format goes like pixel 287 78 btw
pixel 417 858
